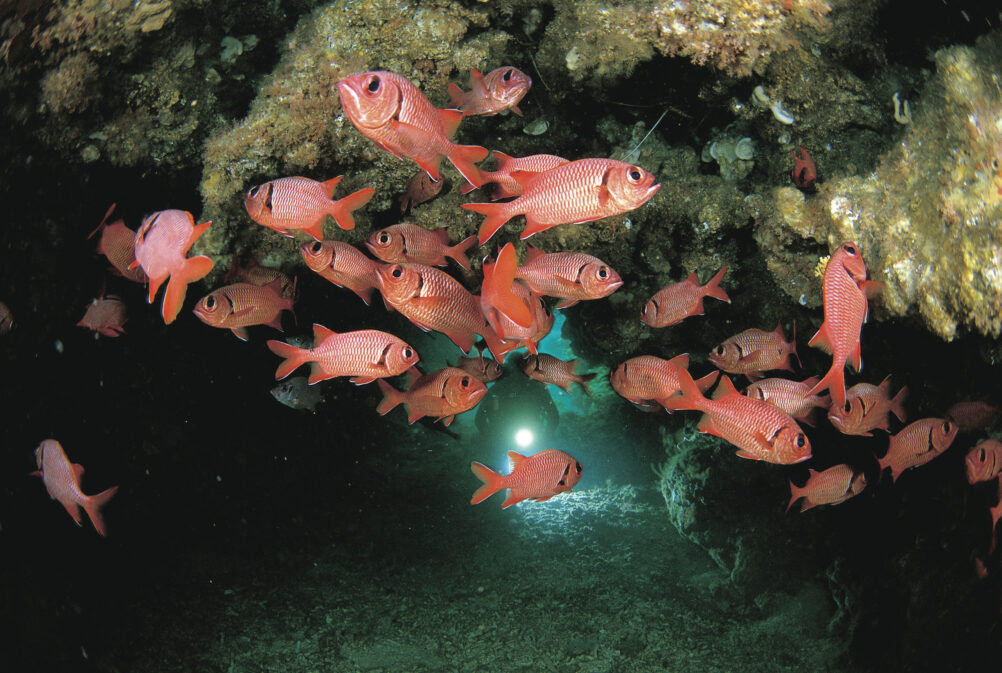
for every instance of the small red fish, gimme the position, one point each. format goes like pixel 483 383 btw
pixel 647 381
pixel 256 273
pixel 578 191
pixel 514 334
pixel 6 319
pixel 419 189
pixel 365 355
pixel 161 244
pixel 984 461
pixel 499 90
pixel 804 171
pixel 105 316
pixel 538 477
pixel 760 430
pixel 240 305
pixel 790 396
pixel 570 276
pixel 389 110
pixel 408 243
pixel 548 369
pixel 484 369
pixel 917 444
pixel 973 415
pixel 434 300
pixel 117 243
pixel 62 481
pixel 498 301
pixel 342 264
pixel 753 351
pixel 868 407
pixel 828 487
pixel 506 185
pixel 302 204
pixel 441 394
pixel 844 296
pixel 674 303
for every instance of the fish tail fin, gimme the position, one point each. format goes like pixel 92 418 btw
pixel 464 158
pixel 455 95
pixel 898 404
pixel 497 285
pixel 458 252
pixel 795 494
pixel 713 289
pixel 391 397
pixel 497 214
pixel 93 504
pixel 293 357
pixel 584 380
pixel 493 482
pixel 193 269
pixel 834 383
pixel 495 344
pixel 342 209
pixel 467 188
pixel 689 397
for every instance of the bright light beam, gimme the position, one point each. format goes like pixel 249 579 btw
pixel 524 437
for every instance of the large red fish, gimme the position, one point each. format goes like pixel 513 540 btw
pixel 105 316
pixel 578 191
pixel 117 243
pixel 674 303
pixel 301 204
pixel 647 381
pixel 365 355
pixel 984 461
pixel 790 396
pixel 545 368
pixel 868 407
pixel 917 444
pixel 409 243
pixel 434 300
pixel 393 113
pixel 760 430
pixel 843 292
pixel 753 351
pixel 499 90
pixel 441 394
pixel 569 276
pixel 62 481
pixel 161 244
pixel 238 306
pixel 342 264
pixel 828 487
pixel 538 477
pixel 507 186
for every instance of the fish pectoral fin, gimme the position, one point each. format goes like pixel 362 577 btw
pixel 746 454
pixel 362 380
pixel 239 332
pixel 543 499
pixel 750 357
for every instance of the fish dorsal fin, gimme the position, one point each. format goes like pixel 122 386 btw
pixel 477 82
pixel 523 177
pixel 692 279
pixel 275 285
pixel 500 159
pixel 532 253
pixel 78 471
pixel 680 361
pixel 724 388
pixel 812 472
pixel 450 121
pixel 516 459
pixel 330 185
pixel 320 333
pixel 442 233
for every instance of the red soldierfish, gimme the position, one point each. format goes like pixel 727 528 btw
pixel 829 487
pixel 499 90
pixel 753 351
pixel 161 244
pixel 302 204
pixel 538 477
pixel 484 369
pixel 674 303
pixel 868 407
pixel 498 300
pixel 843 291
pixel 578 191
pixel 240 305
pixel 62 481
pixel 548 369
pixel 760 430
pixel 106 316
pixel 647 381
pixel 516 336
pixel 570 276
pixel 342 264
pixel 409 243
pixel 441 394
pixel 973 415
pixel 984 461
pixel 917 444
pixel 506 185
pixel 790 396
pixel 434 300
pixel 256 273
pixel 389 110
pixel 418 190
pixel 117 243
pixel 365 355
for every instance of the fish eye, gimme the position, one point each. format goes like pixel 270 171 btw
pixel 373 85
pixel 408 353
pixel 946 427
pixel 634 175
pixel 719 350
pixel 507 75
pixel 577 466
pixel 800 441
pixel 384 238
pixel 465 382
pixel 315 248
pixel 397 272
pixel 603 273
pixel 253 192
pixel 210 302
pixel 850 249
pixel 643 311
pixel 981 455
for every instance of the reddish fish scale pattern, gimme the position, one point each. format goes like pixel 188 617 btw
pixel 791 396
pixel 440 394
pixel 118 245
pixel 162 242
pixel 298 202
pixel 356 354
pixel 409 243
pixel 105 316
pixel 648 377
pixel 548 369
pixel 538 476
pixel 674 303
pixel 342 264
pixel 753 351
pixel 256 305
pixel 869 409
pixel 506 185
pixel 740 420
pixel 567 193
pixel 569 275
pixel 828 487
pixel 917 444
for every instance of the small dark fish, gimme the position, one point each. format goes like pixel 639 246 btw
pixel 6 319
pixel 297 394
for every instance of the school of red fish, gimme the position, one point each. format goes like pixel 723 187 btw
pixel 510 313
